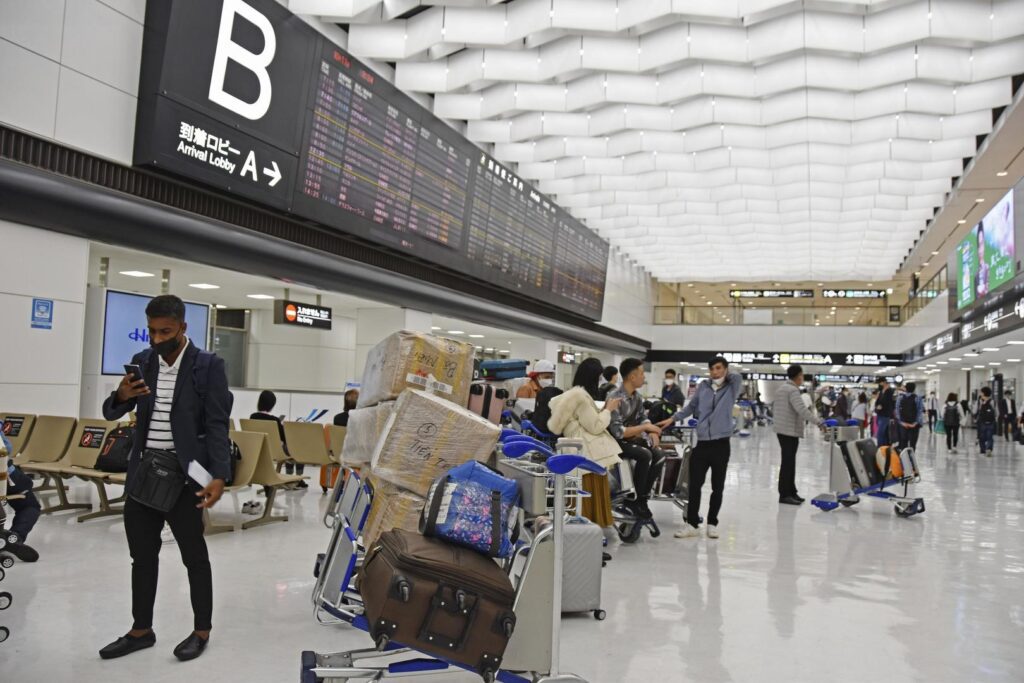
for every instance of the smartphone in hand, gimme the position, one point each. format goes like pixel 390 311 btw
pixel 133 371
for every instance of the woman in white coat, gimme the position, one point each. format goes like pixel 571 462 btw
pixel 575 415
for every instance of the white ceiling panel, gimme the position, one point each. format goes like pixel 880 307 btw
pixel 745 128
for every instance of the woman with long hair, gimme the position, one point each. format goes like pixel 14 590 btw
pixel 575 415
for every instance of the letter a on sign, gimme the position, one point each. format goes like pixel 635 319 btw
pixel 254 62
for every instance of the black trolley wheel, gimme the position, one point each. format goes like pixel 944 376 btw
pixel 629 532
pixel 847 502
pixel 4 634
pixel 5 599
pixel 600 614
pixel 6 561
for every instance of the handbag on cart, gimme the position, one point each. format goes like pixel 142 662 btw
pixel 438 598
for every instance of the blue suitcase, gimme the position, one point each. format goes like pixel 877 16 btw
pixel 510 368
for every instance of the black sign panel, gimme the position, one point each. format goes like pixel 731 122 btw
pixel 853 293
pixel 302 315
pixel 12 426
pixel 311 130
pixel 92 437
pixel 780 358
pixel 771 293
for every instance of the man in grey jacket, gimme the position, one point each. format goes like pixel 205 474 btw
pixel 790 414
pixel 712 406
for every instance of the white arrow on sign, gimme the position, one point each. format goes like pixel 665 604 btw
pixel 274 173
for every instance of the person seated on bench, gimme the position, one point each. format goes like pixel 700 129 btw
pixel 26 510
pixel 637 436
pixel 264 404
pixel 575 415
pixel 351 399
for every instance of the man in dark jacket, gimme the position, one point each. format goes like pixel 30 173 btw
pixel 1007 415
pixel 182 403
pixel 670 391
pixel 885 406
pixel 842 410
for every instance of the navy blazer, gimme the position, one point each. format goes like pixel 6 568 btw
pixel 199 424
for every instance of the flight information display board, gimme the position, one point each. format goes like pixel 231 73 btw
pixel 248 98
pixel 375 164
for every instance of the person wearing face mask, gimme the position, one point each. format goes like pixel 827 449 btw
pixel 182 403
pixel 670 391
pixel 543 375
pixel 712 406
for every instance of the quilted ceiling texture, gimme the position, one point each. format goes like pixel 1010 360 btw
pixel 716 139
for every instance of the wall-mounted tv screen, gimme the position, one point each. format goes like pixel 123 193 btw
pixel 125 332
pixel 986 258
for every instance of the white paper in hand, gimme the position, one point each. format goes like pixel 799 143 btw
pixel 199 474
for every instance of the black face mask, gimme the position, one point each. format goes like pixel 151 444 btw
pixel 166 347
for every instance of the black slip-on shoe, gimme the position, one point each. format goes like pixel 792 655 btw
pixel 25 553
pixel 190 648
pixel 127 644
pixel 790 500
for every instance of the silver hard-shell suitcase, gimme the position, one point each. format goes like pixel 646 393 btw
pixel 583 546
pixel 854 462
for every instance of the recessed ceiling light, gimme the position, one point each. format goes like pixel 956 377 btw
pixel 476 336
pixel 489 349
pixel 689 284
pixel 956 359
pixel 889 291
pixel 961 221
pixel 821 284
pixel 979 200
pixel 943 362
pixel 221 306
pixel 935 253
pixel 995 363
pixel 479 348
pixel 1001 174
pixel 434 327
pixel 925 264
pixel 204 285
pixel 990 349
pixel 981 367
pixel 972 355
pixel 136 273
pixel 871 284
pixel 1015 342
pixel 456 332
pixel 1013 360
pixel 259 296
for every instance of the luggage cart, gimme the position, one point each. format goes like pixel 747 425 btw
pixel 533 653
pixel 842 490
pixel 6 560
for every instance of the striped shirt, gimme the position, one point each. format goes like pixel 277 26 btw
pixel 160 423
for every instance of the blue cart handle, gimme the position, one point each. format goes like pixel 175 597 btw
pixel 519 448
pixel 564 464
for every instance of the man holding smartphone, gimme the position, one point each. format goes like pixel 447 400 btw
pixel 183 404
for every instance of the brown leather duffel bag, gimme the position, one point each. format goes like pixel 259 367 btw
pixel 438 598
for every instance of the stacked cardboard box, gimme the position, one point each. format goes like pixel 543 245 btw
pixel 365 426
pixel 412 360
pixel 393 508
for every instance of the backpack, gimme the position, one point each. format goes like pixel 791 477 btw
pixel 116 450
pixel 660 411
pixel 542 407
pixel 986 414
pixel 234 458
pixel 951 416
pixel 908 409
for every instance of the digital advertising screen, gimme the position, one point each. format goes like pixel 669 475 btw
pixel 125 332
pixel 986 258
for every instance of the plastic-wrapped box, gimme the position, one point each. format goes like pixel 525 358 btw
pixel 425 437
pixel 392 508
pixel 365 425
pixel 413 360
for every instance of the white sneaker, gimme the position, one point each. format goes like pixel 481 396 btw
pixel 688 532
pixel 712 531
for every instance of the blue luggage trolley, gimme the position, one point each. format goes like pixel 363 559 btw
pixel 532 655
pixel 842 489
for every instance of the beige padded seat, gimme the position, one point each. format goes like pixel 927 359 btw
pixel 307 443
pixel 271 480
pixel 249 445
pixel 81 463
pixel 268 427
pixel 336 438
pixel 45 454
pixel 20 430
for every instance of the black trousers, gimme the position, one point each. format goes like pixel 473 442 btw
pixel 1006 423
pixel 647 467
pixel 933 415
pixel 27 509
pixel 787 472
pixel 908 437
pixel 708 455
pixel 143 526
pixel 952 436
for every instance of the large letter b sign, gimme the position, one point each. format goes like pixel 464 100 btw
pixel 254 62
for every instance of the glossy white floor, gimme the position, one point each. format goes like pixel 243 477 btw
pixel 787 594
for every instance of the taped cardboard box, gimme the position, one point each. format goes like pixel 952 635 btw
pixel 412 360
pixel 425 437
pixel 365 425
pixel 392 508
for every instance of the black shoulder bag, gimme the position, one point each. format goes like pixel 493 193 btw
pixel 159 480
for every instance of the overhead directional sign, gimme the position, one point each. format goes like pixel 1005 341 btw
pixel 779 358
pixel 853 293
pixel 771 293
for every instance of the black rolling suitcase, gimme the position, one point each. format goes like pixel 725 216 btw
pixel 441 599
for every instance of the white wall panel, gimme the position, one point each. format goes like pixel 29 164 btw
pixel 95 117
pixel 36 25
pixel 103 44
pixel 34 80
